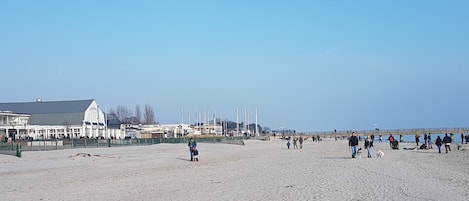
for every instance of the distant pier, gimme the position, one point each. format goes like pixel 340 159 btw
pixel 395 132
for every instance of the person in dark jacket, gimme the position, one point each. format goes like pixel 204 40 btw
pixel 368 145
pixel 417 139
pixel 447 141
pixel 192 143
pixel 438 143
pixel 353 143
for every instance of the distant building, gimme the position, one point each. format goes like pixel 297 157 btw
pixel 56 119
pixel 165 131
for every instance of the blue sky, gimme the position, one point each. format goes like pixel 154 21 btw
pixel 305 65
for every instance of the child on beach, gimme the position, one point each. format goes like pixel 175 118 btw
pixel 195 154
pixel 288 144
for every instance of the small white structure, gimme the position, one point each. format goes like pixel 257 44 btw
pixel 165 130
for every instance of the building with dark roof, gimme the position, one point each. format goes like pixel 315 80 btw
pixel 54 119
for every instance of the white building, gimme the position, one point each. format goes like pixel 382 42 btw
pixel 55 119
pixel 165 131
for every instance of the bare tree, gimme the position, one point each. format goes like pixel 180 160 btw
pixel 123 113
pixel 112 112
pixel 138 114
pixel 149 115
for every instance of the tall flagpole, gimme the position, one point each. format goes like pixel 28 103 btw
pixel 205 119
pixel 214 122
pixel 221 123
pixel 249 120
pixel 105 122
pixel 182 116
pixel 237 122
pixel 257 127
pixel 197 120
pixel 245 120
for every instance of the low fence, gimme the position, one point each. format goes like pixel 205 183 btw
pixel 11 148
pixel 15 148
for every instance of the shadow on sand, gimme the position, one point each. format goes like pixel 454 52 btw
pixel 338 157
pixel 184 159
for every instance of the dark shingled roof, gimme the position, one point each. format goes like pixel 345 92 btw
pixel 113 122
pixel 47 107
pixel 51 112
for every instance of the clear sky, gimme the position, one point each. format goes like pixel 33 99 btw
pixel 305 65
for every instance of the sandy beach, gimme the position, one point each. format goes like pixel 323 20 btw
pixel 259 170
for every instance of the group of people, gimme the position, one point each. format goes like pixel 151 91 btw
pixel 295 142
pixel 439 142
pixel 427 141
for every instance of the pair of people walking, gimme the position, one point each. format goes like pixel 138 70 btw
pixel 447 142
pixel 353 144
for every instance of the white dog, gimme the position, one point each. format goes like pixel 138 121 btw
pixel 380 154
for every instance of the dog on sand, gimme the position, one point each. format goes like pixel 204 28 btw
pixel 380 154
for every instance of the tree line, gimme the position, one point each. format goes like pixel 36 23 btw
pixel 128 116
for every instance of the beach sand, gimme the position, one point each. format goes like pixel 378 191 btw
pixel 259 170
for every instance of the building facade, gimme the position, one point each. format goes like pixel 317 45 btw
pixel 55 119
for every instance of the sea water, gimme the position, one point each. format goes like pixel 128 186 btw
pixel 411 138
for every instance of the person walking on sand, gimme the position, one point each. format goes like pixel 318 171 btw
pixel 447 141
pixel 295 144
pixel 380 138
pixel 438 143
pixel 391 139
pixel 430 141
pixel 288 143
pixel 353 143
pixel 192 144
pixel 301 142
pixel 417 140
pixel 425 138
pixel 368 144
